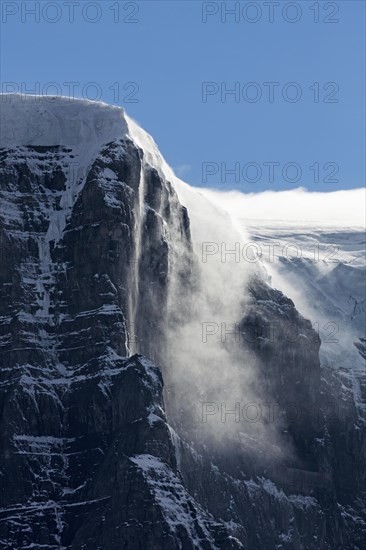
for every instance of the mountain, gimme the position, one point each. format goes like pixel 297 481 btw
pixel 149 399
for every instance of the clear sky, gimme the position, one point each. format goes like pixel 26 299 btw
pixel 297 114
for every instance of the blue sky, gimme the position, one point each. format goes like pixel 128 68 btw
pixel 169 64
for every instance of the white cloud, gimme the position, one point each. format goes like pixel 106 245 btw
pixel 340 208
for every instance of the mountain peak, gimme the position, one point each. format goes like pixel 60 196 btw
pixel 51 120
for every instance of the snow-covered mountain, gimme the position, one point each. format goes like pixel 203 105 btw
pixel 148 397
pixel 322 268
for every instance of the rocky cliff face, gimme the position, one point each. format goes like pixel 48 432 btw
pixel 91 233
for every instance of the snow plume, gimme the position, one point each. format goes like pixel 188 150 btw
pixel 212 375
pixel 208 372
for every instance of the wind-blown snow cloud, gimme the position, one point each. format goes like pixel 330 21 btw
pixel 340 208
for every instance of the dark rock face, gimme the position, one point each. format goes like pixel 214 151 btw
pixel 109 479
pixel 74 409
pixel 88 459
pixel 325 420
